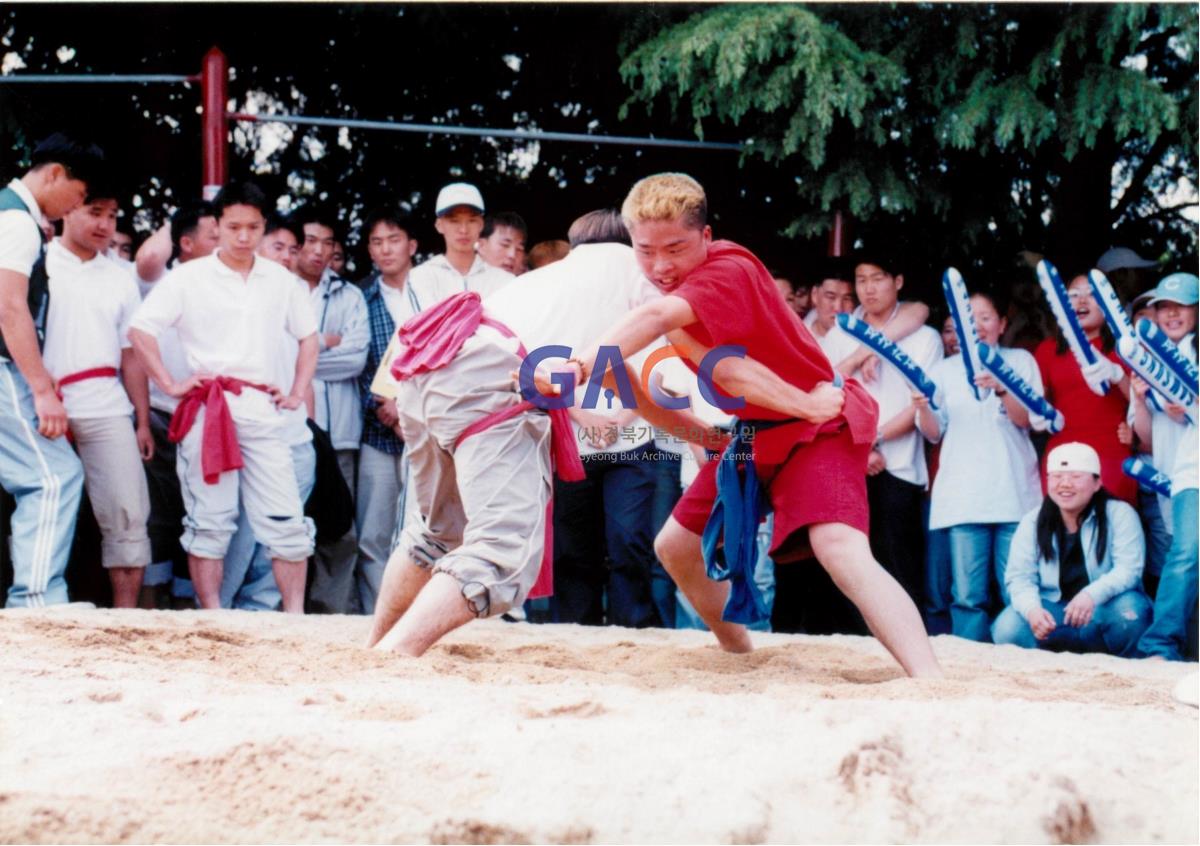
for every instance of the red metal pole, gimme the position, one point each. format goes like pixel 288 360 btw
pixel 839 236
pixel 214 133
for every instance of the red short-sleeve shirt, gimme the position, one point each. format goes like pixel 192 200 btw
pixel 814 474
pixel 1090 419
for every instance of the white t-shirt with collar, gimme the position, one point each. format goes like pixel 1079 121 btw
pixel 229 325
pixel 91 305
pixel 20 240
pixel 434 280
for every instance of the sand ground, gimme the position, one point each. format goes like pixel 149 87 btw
pixel 227 726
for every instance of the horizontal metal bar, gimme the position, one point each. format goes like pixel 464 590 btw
pixel 522 134
pixel 95 78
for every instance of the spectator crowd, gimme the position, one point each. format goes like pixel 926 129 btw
pixel 219 392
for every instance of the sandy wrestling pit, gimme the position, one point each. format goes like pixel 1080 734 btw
pixel 227 726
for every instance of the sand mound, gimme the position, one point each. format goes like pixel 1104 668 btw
pixel 226 727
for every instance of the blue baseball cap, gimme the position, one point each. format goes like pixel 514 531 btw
pixel 1182 288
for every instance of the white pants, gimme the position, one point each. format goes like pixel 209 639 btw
pixel 116 486
pixel 267 487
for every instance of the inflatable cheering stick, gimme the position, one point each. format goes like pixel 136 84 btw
pixel 1021 390
pixel 959 302
pixel 1068 323
pixel 1147 476
pixel 892 354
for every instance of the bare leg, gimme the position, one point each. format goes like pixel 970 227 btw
pixel 439 608
pixel 845 554
pixel 679 551
pixel 289 578
pixel 126 585
pixel 402 581
pixel 206 579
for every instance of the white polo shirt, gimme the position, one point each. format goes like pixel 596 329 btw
pixel 401 303
pixel 572 303
pixel 91 304
pixel 20 240
pixel 230 326
pixel 905 456
pixel 434 280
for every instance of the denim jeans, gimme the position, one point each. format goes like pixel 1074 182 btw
pixel 938 577
pixel 1114 628
pixel 978 554
pixel 1175 603
pixel 248 582
pixel 667 491
pixel 1158 539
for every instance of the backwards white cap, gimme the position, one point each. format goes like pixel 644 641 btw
pixel 1073 457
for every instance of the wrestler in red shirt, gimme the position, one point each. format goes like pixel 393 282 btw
pixel 814 469
pixel 1090 418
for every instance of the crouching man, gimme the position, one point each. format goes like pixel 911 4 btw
pixel 1075 565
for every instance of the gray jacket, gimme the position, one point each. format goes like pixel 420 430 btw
pixel 340 309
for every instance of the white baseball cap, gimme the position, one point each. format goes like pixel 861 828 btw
pixel 458 194
pixel 1073 458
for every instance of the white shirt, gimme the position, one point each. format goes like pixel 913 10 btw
pixel 230 326
pixel 988 469
pixel 401 303
pixel 91 304
pixel 905 455
pixel 296 429
pixel 572 303
pixel 835 343
pixel 20 240
pixel 434 280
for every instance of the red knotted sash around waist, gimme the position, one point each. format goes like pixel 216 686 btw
pixel 219 450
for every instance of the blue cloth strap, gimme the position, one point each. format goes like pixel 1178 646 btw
pixel 740 505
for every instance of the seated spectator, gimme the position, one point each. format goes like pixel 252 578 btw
pixel 547 252
pixel 1075 565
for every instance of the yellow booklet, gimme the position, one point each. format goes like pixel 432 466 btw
pixel 383 384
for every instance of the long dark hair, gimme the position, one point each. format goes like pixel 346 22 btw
pixel 1050 526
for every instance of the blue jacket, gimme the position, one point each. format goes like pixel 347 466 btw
pixel 1116 569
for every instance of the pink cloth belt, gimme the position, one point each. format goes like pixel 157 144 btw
pixel 430 341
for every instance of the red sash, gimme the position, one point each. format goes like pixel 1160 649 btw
pixel 219 450
pixel 83 376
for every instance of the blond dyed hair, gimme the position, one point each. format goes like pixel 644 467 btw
pixel 666 196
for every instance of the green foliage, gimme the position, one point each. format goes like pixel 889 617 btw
pixel 913 115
